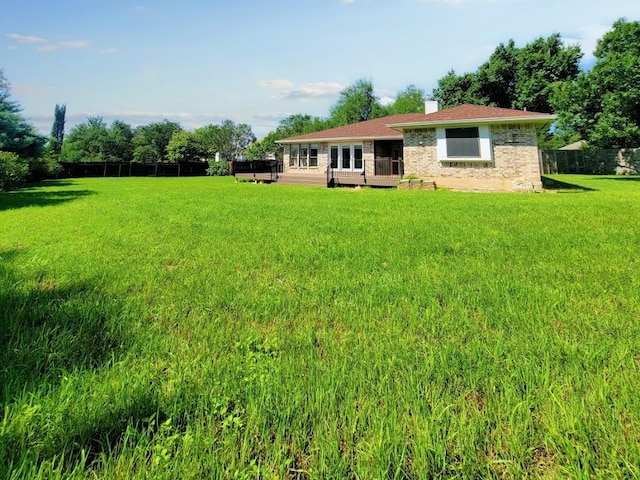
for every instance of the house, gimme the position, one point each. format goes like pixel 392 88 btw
pixel 468 147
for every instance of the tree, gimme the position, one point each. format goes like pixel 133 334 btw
pixel 496 79
pixel 514 77
pixel 87 142
pixel 119 146
pixel 456 89
pixel 154 136
pixel 57 130
pixel 357 103
pixel 16 135
pixel 228 139
pixel 409 100
pixel 186 146
pixel 603 105
pixel 541 65
pixel 13 171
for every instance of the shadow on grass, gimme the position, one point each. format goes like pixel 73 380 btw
pixel 624 178
pixel 35 197
pixel 49 329
pixel 557 185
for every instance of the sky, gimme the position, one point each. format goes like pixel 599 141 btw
pixel 200 62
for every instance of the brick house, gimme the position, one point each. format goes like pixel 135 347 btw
pixel 468 147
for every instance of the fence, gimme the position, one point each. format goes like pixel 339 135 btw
pixel 592 162
pixel 133 169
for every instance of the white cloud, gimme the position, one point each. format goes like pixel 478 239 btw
pixel 109 51
pixel 386 100
pixel 51 47
pixel 588 39
pixel 276 83
pixel 26 38
pixel 315 90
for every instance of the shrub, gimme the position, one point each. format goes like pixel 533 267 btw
pixel 218 169
pixel 13 171
pixel 44 167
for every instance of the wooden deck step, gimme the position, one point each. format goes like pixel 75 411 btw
pixel 302 179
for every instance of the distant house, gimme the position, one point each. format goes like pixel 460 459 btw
pixel 469 147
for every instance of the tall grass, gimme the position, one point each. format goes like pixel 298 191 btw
pixel 197 328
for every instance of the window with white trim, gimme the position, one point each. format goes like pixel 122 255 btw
pixel 464 144
pixel 347 157
pixel 303 156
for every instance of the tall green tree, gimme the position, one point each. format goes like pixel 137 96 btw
pixel 57 130
pixel 151 141
pixel 603 105
pixel 514 77
pixel 87 142
pixel 229 139
pixel 357 103
pixel 187 146
pixel 456 89
pixel 119 147
pixel 16 135
pixel 409 100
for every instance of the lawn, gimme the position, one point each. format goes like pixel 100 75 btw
pixel 201 328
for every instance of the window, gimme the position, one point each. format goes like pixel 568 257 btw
pixel 463 142
pixel 466 144
pixel 303 156
pixel 357 157
pixel 347 157
pixel 334 156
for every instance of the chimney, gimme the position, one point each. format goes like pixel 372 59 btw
pixel 431 106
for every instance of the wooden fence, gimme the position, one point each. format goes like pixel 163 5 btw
pixel 594 162
pixel 133 169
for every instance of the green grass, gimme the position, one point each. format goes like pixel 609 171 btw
pixel 199 328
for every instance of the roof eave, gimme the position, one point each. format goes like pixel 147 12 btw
pixel 287 141
pixel 474 121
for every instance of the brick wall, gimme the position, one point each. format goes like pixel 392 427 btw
pixel 514 166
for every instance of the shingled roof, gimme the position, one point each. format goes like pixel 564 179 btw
pixel 390 128
pixel 376 128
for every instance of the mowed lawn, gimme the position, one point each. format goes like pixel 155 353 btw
pixel 200 328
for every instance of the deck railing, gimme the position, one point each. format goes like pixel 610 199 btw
pixel 381 171
pixel 257 168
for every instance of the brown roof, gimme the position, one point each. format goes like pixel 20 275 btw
pixel 376 128
pixel 468 114
pixel 391 127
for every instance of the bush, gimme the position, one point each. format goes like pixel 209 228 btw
pixel 218 169
pixel 13 171
pixel 44 167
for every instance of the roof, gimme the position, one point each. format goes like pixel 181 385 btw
pixel 391 127
pixel 376 128
pixel 475 114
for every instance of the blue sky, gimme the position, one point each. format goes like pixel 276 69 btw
pixel 200 62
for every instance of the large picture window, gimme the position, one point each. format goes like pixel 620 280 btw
pixel 463 142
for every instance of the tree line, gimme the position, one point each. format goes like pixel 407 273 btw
pixel 600 105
